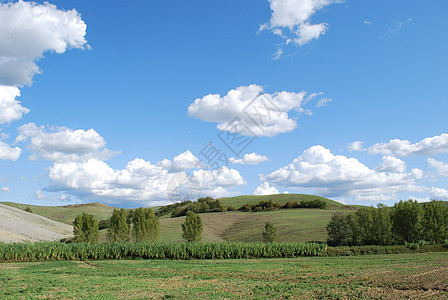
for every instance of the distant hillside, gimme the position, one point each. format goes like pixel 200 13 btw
pixel 17 225
pixel 239 201
pixel 66 214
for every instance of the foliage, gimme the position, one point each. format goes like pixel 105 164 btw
pixel 146 226
pixel 28 209
pixel 203 205
pixel 43 251
pixel 103 224
pixel 435 221
pixel 119 227
pixel 340 230
pixel 269 233
pixel 192 227
pixel 407 221
pixel 272 205
pixel 85 228
pixel 167 209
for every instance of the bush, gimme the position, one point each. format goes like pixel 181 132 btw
pixel 103 224
pixel 28 209
pixel 269 233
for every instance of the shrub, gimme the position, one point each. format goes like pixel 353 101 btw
pixel 103 224
pixel 28 209
pixel 269 233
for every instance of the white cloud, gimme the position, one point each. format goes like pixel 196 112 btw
pixel 140 182
pixel 392 164
pixel 278 54
pixel 182 162
pixel 39 195
pixel 439 193
pixel 428 146
pixel 265 189
pixel 249 159
pixel 62 143
pixel 10 108
pixel 295 16
pixel 249 111
pixel 9 153
pixel 440 166
pixel 28 31
pixel 4 189
pixel 323 102
pixel 356 146
pixel 339 176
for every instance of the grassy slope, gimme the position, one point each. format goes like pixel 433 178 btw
pixel 66 214
pixel 293 225
pixel 239 201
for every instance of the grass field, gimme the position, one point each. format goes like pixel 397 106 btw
pixel 422 275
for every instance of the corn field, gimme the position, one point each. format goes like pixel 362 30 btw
pixel 43 251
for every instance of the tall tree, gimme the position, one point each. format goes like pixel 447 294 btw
pixel 435 221
pixel 85 228
pixel 192 227
pixel 146 225
pixel 340 230
pixel 119 227
pixel 407 221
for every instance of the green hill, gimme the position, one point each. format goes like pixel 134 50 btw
pixel 66 214
pixel 293 225
pixel 239 201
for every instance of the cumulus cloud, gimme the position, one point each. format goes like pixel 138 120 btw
pixel 182 162
pixel 10 108
pixel 356 146
pixel 428 146
pixel 440 166
pixel 4 189
pixel 249 159
pixel 9 153
pixel 140 182
pixel 249 111
pixel 294 17
pixel 439 193
pixel 62 143
pixel 265 189
pixel 339 176
pixel 392 164
pixel 28 31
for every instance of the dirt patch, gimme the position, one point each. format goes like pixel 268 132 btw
pixel 17 225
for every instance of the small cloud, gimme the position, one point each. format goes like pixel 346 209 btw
pixel 355 146
pixel 398 25
pixel 4 189
pixel 278 54
pixel 323 102
pixel 249 159
pixel 367 22
pixel 265 189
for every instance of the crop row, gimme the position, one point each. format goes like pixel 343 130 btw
pixel 43 251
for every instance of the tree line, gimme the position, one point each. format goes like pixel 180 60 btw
pixel 140 225
pixel 406 222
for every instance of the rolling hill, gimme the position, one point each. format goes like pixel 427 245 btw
pixel 293 225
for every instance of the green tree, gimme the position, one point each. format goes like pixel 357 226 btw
pixel 435 221
pixel 382 226
pixel 192 227
pixel 407 221
pixel 85 228
pixel 340 230
pixel 146 226
pixel 269 233
pixel 119 227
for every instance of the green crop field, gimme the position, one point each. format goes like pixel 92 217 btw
pixel 394 276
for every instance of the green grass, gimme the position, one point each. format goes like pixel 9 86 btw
pixel 293 225
pixel 66 214
pixel 422 275
pixel 239 201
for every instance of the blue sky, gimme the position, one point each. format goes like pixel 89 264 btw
pixel 116 102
